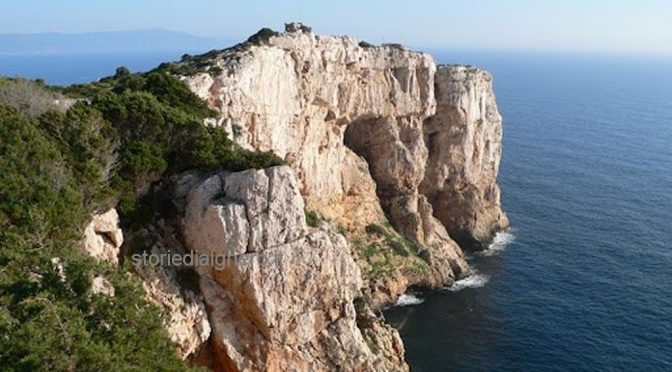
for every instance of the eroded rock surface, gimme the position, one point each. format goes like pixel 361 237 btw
pixel 186 318
pixel 284 300
pixel 103 237
pixel 349 118
pixel 296 94
pixel 464 139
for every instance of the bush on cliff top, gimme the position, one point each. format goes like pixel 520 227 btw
pixel 56 169
pixel 262 36
pixel 159 126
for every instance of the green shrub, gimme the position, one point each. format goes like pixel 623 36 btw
pixel 312 218
pixel 89 143
pixel 262 36
pixel 399 244
pixel 158 122
pixel 121 72
pixel 39 197
pixel 215 70
pixel 51 169
pixel 378 258
pixel 376 229
pixel 399 248
pixel 179 69
pixel 410 246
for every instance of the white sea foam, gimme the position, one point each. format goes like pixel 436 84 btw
pixel 501 240
pixel 409 299
pixel 474 280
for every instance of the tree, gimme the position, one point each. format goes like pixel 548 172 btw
pixel 30 97
pixel 121 72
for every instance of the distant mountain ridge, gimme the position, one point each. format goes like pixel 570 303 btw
pixel 149 40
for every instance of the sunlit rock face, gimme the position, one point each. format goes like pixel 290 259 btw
pixel 285 297
pixel 297 93
pixel 103 237
pixel 464 139
pixel 349 119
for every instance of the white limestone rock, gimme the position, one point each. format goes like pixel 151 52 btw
pixel 287 302
pixel 103 237
pixel 235 213
pixel 465 146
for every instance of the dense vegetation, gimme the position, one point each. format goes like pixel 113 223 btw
pixel 384 251
pixel 60 164
pixel 159 128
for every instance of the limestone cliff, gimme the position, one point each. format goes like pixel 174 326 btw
pixel 392 157
pixel 464 139
pixel 374 134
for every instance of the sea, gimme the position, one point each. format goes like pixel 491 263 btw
pixel 65 69
pixel 582 281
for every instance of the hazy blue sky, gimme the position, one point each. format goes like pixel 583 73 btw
pixel 616 25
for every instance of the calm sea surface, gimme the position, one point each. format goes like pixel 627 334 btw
pixel 583 281
pixel 65 69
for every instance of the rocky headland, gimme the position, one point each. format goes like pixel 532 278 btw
pixel 391 167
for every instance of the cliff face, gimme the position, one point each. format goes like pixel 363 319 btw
pixel 398 158
pixel 296 94
pixel 464 140
pixel 361 128
pixel 284 299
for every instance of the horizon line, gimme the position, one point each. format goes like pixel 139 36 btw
pixel 413 47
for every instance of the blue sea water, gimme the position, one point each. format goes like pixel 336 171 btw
pixel 583 281
pixel 586 180
pixel 66 69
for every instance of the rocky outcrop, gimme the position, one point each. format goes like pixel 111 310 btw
pixel 282 295
pixel 464 139
pixel 185 316
pixel 257 210
pixel 382 145
pixel 100 285
pixel 296 94
pixel 319 102
pixel 103 237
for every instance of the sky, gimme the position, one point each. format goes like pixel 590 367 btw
pixel 563 25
